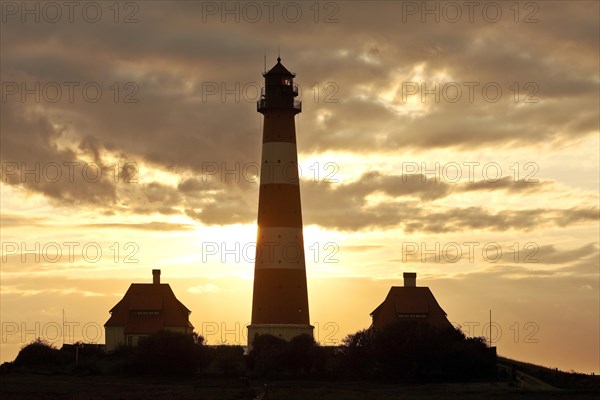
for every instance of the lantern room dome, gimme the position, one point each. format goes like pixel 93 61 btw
pixel 279 69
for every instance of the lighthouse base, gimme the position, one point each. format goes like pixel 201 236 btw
pixel 282 331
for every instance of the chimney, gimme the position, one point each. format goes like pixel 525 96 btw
pixel 410 279
pixel 156 276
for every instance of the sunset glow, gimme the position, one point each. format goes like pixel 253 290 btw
pixel 409 160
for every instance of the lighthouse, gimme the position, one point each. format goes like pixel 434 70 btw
pixel 280 296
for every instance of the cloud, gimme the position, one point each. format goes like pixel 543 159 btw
pixel 528 255
pixel 148 226
pixel 329 205
pixel 31 159
pixel 362 248
pixel 204 288
pixel 13 290
pixel 173 124
pixel 13 220
pixel 358 105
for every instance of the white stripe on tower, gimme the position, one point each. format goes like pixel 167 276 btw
pixel 279 163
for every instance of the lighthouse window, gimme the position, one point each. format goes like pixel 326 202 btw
pixel 287 82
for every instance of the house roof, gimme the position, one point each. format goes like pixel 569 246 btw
pixel 145 303
pixel 410 300
pixel 135 311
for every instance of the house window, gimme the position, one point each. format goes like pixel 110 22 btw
pixel 129 341
pixel 147 312
pixel 411 316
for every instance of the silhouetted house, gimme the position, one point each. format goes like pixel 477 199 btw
pixel 145 309
pixel 409 302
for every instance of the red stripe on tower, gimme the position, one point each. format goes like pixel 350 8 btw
pixel 280 297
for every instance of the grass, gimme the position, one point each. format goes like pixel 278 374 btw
pixel 55 387
pixel 554 377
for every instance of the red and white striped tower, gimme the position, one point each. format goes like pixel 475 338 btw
pixel 280 299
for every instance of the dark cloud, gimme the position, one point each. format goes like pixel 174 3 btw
pixel 172 125
pixel 527 256
pixel 551 255
pixel 329 205
pixel 31 158
pixel 413 218
pixel 225 209
pixel 172 56
pixel 507 183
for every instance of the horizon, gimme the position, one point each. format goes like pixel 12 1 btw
pixel 462 148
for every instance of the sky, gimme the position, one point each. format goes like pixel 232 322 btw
pixel 457 140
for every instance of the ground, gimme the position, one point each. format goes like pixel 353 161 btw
pixel 26 387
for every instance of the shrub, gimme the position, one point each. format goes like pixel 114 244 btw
pixel 303 355
pixel 267 355
pixel 225 360
pixel 356 354
pixel 272 356
pixel 166 353
pixel 410 350
pixel 39 353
